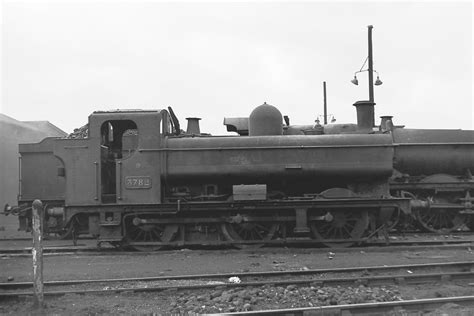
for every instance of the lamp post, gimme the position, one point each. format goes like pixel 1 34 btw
pixel 370 69
pixel 325 104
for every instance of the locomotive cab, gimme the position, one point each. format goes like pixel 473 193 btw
pixel 117 163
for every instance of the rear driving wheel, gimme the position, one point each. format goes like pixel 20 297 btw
pixel 149 233
pixel 340 227
pixel 256 232
pixel 440 220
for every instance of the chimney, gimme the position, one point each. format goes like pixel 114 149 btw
pixel 193 126
pixel 365 115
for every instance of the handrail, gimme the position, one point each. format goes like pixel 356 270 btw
pixel 97 185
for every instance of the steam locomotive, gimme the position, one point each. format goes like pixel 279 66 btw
pixel 138 180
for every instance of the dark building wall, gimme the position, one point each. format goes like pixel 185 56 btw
pixel 12 133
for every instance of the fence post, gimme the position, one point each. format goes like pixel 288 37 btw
pixel 37 252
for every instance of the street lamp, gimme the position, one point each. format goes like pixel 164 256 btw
pixel 377 82
pixel 370 69
pixel 325 117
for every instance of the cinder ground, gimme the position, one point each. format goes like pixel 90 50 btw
pixel 9 227
pixel 185 261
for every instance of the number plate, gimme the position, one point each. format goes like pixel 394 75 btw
pixel 137 182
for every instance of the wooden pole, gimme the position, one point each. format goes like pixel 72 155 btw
pixel 37 252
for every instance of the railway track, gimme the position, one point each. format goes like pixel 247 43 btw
pixel 366 276
pixel 380 308
pixel 397 244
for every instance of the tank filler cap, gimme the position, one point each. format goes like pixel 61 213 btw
pixel 193 126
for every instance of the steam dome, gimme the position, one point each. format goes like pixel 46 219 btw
pixel 265 120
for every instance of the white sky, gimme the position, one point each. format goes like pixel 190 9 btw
pixel 63 60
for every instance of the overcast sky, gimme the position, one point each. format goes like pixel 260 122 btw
pixel 63 60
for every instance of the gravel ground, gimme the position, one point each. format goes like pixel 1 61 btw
pixel 218 301
pixel 230 300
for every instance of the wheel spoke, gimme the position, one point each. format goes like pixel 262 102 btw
pixel 140 235
pixel 264 228
pixel 347 231
pixel 351 226
pixel 239 228
pixel 330 231
pixel 432 219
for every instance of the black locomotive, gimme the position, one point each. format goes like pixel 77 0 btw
pixel 138 180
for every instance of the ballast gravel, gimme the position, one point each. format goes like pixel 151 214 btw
pixel 268 297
